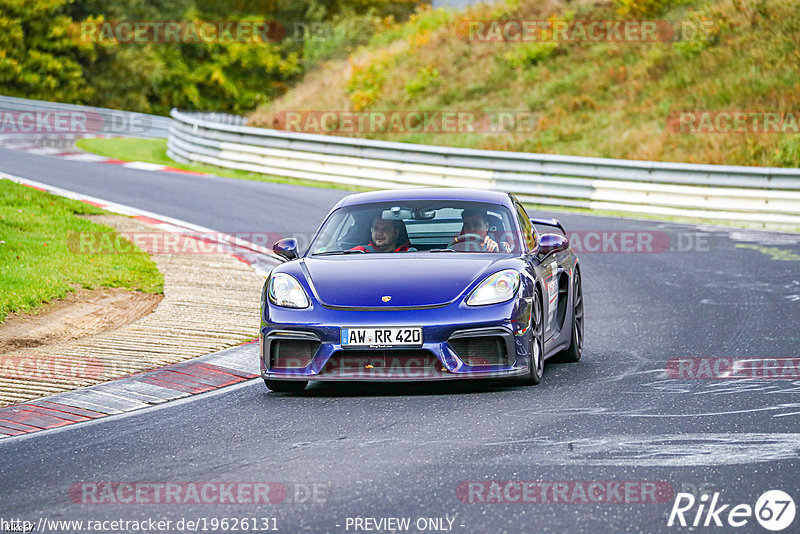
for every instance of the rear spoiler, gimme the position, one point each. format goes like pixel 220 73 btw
pixel 549 222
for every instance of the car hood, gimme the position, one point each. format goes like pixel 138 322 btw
pixel 418 280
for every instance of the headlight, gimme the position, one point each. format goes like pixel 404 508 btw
pixel 286 291
pixel 499 287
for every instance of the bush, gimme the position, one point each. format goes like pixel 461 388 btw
pixel 336 40
pixel 426 78
pixel 42 57
pixel 642 8
pixel 38 58
pixel 423 21
pixel 529 54
pixel 788 154
pixel 366 80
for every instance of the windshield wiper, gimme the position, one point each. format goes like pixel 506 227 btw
pixel 334 252
pixel 441 250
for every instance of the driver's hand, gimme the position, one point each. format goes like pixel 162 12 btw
pixel 490 244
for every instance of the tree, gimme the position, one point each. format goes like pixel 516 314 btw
pixel 38 57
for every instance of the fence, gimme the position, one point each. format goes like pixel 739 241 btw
pixel 748 194
pixel 104 121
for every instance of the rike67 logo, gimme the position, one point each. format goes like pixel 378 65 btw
pixel 774 510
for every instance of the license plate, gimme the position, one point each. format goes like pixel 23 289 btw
pixel 381 337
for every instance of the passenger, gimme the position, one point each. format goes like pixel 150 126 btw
pixel 385 237
pixel 474 234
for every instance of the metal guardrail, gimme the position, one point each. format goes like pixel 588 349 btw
pixel 749 194
pixel 102 121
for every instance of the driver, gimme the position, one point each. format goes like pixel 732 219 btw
pixel 475 232
pixel 385 236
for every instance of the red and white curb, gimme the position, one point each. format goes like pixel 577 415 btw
pixel 152 387
pixel 134 392
pixel 76 154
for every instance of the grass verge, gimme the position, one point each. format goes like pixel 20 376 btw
pixel 774 253
pixel 38 262
pixel 155 151
pixel 578 96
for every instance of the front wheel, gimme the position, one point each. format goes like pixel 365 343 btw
pixel 573 352
pixel 286 386
pixel 537 341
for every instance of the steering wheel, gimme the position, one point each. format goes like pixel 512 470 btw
pixel 469 242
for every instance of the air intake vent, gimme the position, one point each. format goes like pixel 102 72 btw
pixel 396 364
pixel 484 350
pixel 292 353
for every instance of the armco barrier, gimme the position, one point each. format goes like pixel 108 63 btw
pixel 749 194
pixel 115 122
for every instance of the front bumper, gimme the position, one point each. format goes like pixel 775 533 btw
pixel 435 359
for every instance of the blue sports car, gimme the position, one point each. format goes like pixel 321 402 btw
pixel 423 284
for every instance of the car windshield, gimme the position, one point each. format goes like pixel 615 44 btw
pixel 417 226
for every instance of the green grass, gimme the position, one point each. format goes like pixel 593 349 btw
pixel 777 254
pixel 155 151
pixel 38 257
pixel 130 149
pixel 602 99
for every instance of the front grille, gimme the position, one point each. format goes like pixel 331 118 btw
pixel 292 353
pixel 411 363
pixel 483 350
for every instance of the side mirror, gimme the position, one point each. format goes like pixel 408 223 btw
pixel 286 248
pixel 549 243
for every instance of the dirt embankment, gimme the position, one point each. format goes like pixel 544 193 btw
pixel 80 313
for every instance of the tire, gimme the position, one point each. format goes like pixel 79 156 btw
pixel 573 353
pixel 286 386
pixel 537 341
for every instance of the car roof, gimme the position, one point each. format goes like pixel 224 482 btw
pixel 427 193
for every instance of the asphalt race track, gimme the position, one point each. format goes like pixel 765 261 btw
pixel 411 451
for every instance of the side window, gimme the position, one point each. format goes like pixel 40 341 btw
pixel 527 228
